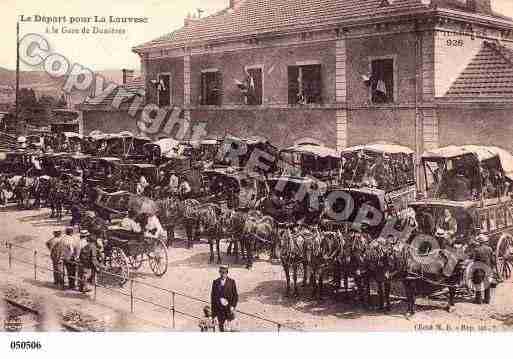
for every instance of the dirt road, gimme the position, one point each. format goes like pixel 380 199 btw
pixel 261 291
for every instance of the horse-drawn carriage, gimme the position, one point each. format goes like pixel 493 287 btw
pixel 125 250
pixel 16 162
pixel 472 185
pixel 381 176
pixel 312 160
pixel 293 199
pixel 240 189
pixel 102 172
pixel 256 154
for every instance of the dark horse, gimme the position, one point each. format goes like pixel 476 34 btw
pixel 292 248
pixel 354 254
pixel 193 216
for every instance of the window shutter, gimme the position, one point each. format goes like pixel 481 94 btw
pixel 293 86
pixel 203 89
pixel 219 86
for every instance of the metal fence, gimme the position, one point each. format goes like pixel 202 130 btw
pixel 165 299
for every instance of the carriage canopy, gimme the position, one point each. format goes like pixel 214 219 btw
pixel 310 160
pixel 388 167
pixel 467 173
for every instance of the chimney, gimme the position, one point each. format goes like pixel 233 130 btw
pixel 481 6
pixel 128 75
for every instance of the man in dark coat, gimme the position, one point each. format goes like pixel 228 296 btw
pixel 484 257
pixel 224 298
pixel 89 262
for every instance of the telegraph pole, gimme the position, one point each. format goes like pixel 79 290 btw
pixel 17 71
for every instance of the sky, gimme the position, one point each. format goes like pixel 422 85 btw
pixel 97 51
pixel 110 51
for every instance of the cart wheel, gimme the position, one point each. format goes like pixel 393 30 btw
pixel 117 267
pixel 158 258
pixel 504 256
pixel 136 261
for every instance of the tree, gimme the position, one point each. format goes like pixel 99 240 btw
pixel 27 98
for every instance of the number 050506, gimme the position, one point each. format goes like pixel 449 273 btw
pixel 25 345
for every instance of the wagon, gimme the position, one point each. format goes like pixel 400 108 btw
pixel 102 172
pixel 242 188
pixel 379 175
pixel 125 251
pixel 290 199
pixel 312 160
pixel 474 183
pixel 242 152
pixel 16 162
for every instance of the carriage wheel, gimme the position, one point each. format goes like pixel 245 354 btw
pixel 504 256
pixel 158 258
pixel 117 267
pixel 136 261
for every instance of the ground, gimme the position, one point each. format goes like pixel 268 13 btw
pixel 261 291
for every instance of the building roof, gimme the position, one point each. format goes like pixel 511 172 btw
pixel 256 17
pixel 488 75
pixel 125 92
pixel 262 16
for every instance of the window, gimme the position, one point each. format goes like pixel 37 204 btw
pixel 305 84
pixel 211 87
pixel 164 90
pixel 382 80
pixel 254 86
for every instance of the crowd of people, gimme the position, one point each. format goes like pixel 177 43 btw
pixel 76 259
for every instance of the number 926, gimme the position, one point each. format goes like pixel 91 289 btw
pixel 455 43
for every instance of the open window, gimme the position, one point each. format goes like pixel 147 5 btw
pixel 164 90
pixel 211 87
pixel 382 80
pixel 305 84
pixel 254 86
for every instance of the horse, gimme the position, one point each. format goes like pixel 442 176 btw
pixel 327 251
pixel 258 228
pixel 291 248
pixel 208 220
pixel 6 191
pixel 379 266
pixel 57 197
pixel 354 254
pixel 184 212
pixel 21 186
pixel 233 223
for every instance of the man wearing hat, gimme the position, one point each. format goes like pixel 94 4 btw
pixel 484 257
pixel 89 263
pixel 224 298
pixel 70 256
pixel 56 254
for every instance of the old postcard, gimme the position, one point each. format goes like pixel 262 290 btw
pixel 256 166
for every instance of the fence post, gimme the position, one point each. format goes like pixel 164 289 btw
pixel 94 288
pixel 173 308
pixel 9 247
pixel 132 295
pixel 279 327
pixel 35 264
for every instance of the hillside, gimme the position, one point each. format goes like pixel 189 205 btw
pixel 43 84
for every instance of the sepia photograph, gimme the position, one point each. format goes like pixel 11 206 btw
pixel 263 166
